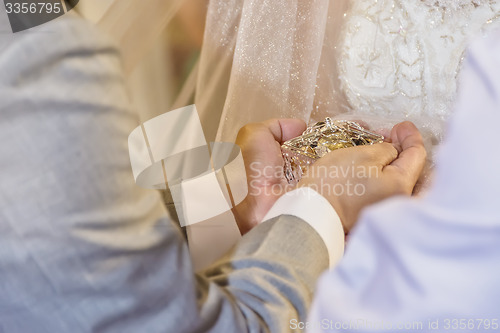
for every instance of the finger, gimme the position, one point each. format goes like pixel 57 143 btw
pixel 260 142
pixel 386 133
pixel 408 140
pixel 405 135
pixel 381 153
pixel 285 129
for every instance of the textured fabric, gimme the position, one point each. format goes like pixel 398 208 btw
pixel 432 264
pixel 82 248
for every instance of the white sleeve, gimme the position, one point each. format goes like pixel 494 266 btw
pixel 310 206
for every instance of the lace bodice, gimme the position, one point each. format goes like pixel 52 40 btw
pixel 401 58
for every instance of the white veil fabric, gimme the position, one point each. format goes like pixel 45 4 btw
pixel 381 62
pixel 312 58
pixel 260 59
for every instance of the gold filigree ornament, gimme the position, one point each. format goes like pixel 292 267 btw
pixel 321 139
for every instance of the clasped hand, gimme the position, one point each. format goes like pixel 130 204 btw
pixel 350 179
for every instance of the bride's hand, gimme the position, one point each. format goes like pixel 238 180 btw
pixel 260 144
pixel 354 178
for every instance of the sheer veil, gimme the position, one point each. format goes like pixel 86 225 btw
pixel 260 58
pixel 264 59
pixel 280 58
pixel 303 58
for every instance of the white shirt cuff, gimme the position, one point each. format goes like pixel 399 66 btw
pixel 310 206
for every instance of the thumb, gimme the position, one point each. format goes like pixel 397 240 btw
pixel 411 160
pixel 285 129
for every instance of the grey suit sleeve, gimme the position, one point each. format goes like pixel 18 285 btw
pixel 83 249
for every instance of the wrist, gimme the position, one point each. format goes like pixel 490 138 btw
pixel 244 217
pixel 334 200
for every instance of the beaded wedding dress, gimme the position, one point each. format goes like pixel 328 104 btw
pixel 379 61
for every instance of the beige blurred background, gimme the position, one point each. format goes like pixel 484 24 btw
pixel 158 79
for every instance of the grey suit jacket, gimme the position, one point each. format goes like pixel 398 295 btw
pixel 82 248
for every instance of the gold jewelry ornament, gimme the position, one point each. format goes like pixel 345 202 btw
pixel 321 139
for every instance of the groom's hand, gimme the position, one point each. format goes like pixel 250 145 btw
pixel 350 179
pixel 260 144
pixel 354 178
